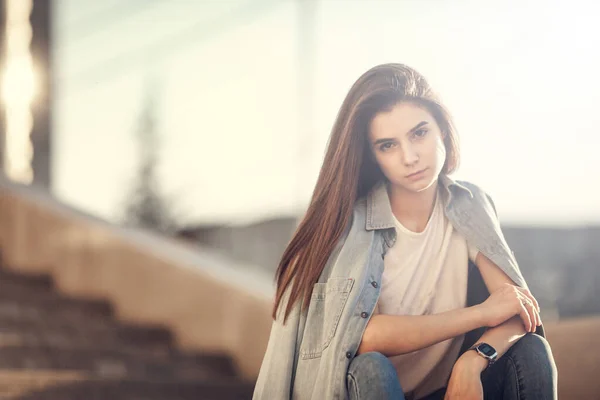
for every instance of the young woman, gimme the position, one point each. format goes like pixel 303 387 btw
pixel 398 283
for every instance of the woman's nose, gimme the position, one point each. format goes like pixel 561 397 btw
pixel 409 155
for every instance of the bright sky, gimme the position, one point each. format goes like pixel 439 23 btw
pixel 520 78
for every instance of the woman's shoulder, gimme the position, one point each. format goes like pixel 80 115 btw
pixel 473 190
pixel 477 193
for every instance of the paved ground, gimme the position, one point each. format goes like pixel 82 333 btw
pixel 576 347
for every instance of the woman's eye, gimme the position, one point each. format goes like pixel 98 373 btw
pixel 420 133
pixel 386 146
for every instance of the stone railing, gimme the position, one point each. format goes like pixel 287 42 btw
pixel 210 303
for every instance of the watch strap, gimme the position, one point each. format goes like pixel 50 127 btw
pixel 491 360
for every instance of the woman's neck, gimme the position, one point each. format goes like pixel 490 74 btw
pixel 412 209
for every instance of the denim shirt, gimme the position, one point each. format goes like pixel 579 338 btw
pixel 308 356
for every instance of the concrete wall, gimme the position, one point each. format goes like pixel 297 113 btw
pixel 209 302
pixel 261 243
pixel 561 265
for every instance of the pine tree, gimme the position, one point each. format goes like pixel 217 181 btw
pixel 146 206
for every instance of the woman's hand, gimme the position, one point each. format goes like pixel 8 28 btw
pixel 465 380
pixel 509 301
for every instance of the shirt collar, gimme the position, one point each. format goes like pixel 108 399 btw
pixel 379 210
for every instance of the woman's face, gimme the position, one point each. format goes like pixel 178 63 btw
pixel 408 146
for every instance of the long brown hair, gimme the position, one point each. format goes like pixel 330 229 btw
pixel 349 172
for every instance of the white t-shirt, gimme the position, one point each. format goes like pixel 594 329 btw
pixel 426 273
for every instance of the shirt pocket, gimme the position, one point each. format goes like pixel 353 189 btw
pixel 324 311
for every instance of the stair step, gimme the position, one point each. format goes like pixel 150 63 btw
pixel 31 280
pixel 80 341
pixel 71 325
pixel 71 385
pixel 52 300
pixel 117 363
pixel 12 309
pixel 56 347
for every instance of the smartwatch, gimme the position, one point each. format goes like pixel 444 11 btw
pixel 486 351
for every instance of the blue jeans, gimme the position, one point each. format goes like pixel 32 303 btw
pixel 526 372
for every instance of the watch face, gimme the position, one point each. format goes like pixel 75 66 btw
pixel 486 349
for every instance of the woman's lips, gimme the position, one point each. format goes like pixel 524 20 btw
pixel 416 175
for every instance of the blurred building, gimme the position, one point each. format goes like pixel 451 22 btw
pixel 561 265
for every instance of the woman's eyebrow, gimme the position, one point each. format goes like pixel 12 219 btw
pixel 417 126
pixel 413 129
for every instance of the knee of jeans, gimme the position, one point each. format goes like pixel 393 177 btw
pixel 372 363
pixel 373 373
pixel 532 347
pixel 532 343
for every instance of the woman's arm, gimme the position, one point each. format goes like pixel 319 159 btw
pixel 399 334
pixel 501 338
pixel 505 335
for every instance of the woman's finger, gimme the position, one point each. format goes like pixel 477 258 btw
pixel 528 294
pixel 532 314
pixel 525 317
pixel 529 307
pixel 539 320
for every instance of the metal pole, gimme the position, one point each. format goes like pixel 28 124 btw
pixel 41 132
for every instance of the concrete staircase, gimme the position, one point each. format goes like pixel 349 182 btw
pixel 55 347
